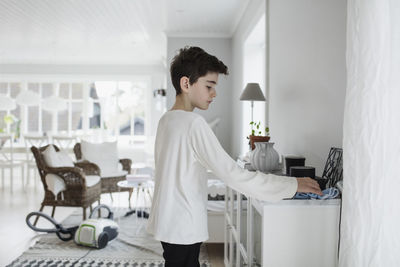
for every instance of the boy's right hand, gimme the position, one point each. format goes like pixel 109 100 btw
pixel 308 185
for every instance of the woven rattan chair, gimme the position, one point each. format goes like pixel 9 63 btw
pixel 76 194
pixel 109 184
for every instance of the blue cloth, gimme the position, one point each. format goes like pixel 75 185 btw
pixel 328 193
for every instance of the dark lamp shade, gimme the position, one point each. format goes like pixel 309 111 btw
pixel 252 92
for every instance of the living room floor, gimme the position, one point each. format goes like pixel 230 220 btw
pixel 14 206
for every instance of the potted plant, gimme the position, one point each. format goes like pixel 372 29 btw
pixel 256 134
pixel 13 124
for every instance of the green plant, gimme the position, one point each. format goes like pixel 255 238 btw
pixel 256 134
pixel 257 131
pixel 9 119
pixel 12 122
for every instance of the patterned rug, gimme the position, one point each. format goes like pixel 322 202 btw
pixel 133 247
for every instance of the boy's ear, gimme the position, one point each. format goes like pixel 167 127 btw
pixel 184 83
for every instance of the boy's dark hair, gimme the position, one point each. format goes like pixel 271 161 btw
pixel 193 62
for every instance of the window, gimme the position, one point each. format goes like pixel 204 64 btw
pixel 119 106
pixel 254 70
pixel 116 107
pixel 70 119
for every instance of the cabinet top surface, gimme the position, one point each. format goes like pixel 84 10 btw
pixel 299 202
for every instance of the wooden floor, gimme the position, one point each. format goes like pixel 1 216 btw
pixel 216 254
pixel 14 206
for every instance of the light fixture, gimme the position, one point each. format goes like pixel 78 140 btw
pixel 252 92
pixel 7 103
pixel 28 98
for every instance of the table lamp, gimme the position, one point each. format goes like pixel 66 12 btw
pixel 252 92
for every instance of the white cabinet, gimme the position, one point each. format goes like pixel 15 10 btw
pixel 287 233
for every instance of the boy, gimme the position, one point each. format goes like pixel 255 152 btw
pixel 185 148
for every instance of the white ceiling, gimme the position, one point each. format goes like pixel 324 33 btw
pixel 107 31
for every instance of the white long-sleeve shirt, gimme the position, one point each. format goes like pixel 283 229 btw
pixel 185 148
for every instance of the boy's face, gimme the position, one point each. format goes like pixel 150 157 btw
pixel 202 92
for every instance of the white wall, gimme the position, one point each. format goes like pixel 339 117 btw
pixel 307 77
pixel 253 13
pixel 158 81
pixel 221 106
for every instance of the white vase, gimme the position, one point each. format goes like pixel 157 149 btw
pixel 264 157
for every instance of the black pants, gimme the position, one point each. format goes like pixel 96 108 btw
pixel 176 255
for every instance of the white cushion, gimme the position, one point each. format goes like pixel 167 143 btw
pixel 113 174
pixel 56 159
pixel 104 155
pixel 92 180
pixel 55 183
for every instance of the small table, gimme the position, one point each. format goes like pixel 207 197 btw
pixel 143 183
pixel 136 166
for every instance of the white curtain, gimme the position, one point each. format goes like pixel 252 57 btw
pixel 370 232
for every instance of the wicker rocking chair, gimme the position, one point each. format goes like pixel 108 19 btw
pixel 108 184
pixel 77 193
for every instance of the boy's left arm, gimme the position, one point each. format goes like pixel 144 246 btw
pixel 212 156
